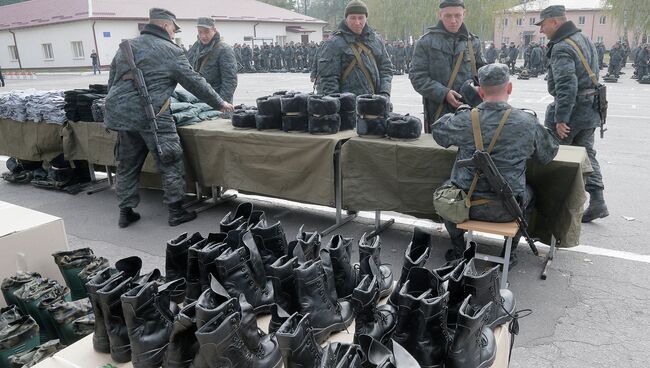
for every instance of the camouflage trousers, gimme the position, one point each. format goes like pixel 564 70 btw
pixel 131 151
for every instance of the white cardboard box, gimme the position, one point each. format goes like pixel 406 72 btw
pixel 27 240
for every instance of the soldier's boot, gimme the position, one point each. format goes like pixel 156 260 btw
pixel 176 260
pixel 283 279
pixel 377 322
pixel 183 345
pixel 378 355
pixel 297 343
pixel 18 336
pixel 13 283
pixel 345 276
pixel 193 276
pixel 70 264
pixel 416 255
pixel 127 217
pixel 597 207
pixel 271 242
pixel 474 344
pixel 309 242
pixel 372 248
pixel 115 326
pixel 207 255
pixel 63 313
pixel 485 287
pixel 232 220
pixel 327 314
pixel 337 355
pixel 178 215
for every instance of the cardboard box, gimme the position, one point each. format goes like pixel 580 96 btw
pixel 27 240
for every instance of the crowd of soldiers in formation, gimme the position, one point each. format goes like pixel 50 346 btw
pixel 619 55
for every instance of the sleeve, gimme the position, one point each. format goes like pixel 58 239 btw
pixel 445 130
pixel 228 66
pixel 329 69
pixel 566 83
pixel 419 75
pixel 194 82
pixel 385 71
pixel 546 146
pixel 478 53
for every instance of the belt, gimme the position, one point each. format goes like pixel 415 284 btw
pixel 587 92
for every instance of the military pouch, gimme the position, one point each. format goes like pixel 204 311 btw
pixel 450 204
pixel 170 151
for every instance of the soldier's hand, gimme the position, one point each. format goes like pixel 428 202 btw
pixel 227 107
pixel 453 99
pixel 562 130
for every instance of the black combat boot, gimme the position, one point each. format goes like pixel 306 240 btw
pixel 309 242
pixel 376 321
pixel 111 305
pixel 176 259
pixel 297 343
pixel 337 355
pixel 474 345
pixel 149 315
pixel 223 345
pixel 183 345
pixel 597 207
pixel 485 287
pixel 193 275
pixel 233 220
pixel 379 356
pixel 242 272
pixel 127 217
pixel 422 321
pixel 457 295
pixel 284 289
pixel 271 242
pixel 416 255
pixel 371 247
pixel 327 314
pixel 340 251
pixel 206 256
pixel 178 215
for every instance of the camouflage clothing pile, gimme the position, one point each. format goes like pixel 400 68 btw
pixel 36 355
pixel 17 336
pixel 72 263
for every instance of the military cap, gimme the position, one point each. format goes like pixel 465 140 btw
pixel 356 7
pixel 552 11
pixel 163 14
pixel 448 3
pixel 205 22
pixel 493 75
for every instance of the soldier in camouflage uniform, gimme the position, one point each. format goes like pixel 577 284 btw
pixel 214 59
pixel 491 54
pixel 247 57
pixel 164 65
pixel 513 54
pixel 435 56
pixel 257 57
pixel 266 57
pixel 521 139
pixel 277 56
pixel 337 55
pixel 572 115
pixel 400 58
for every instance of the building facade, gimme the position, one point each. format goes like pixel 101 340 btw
pixel 518 24
pixel 63 33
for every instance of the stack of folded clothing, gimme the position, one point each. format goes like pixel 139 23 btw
pixel 187 109
pixel 12 105
pixel 46 106
pixel 98 110
pixel 78 102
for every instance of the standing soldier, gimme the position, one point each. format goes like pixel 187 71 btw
pixel 266 57
pixel 615 60
pixel 536 60
pixel 572 115
pixel 237 50
pixel 287 56
pixel 390 49
pixel 214 59
pixel 409 56
pixel 354 59
pixel 257 57
pixel 95 59
pixel 277 56
pixel 247 57
pixel 400 58
pixel 163 65
pixel 602 50
pixel 438 74
pixel 527 51
pixel 503 54
pixel 513 54
pixel 491 54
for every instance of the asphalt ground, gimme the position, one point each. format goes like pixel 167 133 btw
pixel 592 311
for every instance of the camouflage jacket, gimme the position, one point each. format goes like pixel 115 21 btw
pixel 536 56
pixel 522 138
pixel 568 80
pixel 491 55
pixel 336 55
pixel 433 61
pixel 217 64
pixel 164 66
pixel 513 53
pixel 616 55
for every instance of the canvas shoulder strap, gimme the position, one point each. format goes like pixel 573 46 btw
pixel 207 57
pixel 450 84
pixel 359 61
pixel 582 57
pixel 472 56
pixel 478 142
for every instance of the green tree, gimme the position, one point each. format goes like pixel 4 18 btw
pixel 631 15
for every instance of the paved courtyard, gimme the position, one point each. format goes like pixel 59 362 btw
pixel 591 312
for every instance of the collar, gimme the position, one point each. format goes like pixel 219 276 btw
pixel 350 36
pixel 494 105
pixel 462 33
pixel 155 30
pixel 566 30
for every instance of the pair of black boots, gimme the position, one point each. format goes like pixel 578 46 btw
pixel 177 215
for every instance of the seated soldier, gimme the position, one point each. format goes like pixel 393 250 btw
pixel 521 138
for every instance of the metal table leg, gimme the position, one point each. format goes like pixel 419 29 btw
pixel 379 227
pixel 338 195
pixel 549 257
pixel 218 197
pixel 96 187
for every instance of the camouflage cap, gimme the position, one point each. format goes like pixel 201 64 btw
pixel 205 22
pixel 493 75
pixel 448 3
pixel 163 14
pixel 552 11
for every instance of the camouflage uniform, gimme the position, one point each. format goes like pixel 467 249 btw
pixel 513 54
pixel 220 68
pixel 336 54
pixel 615 60
pixel 247 57
pixel 491 54
pixel 277 56
pixel 536 60
pixel 569 84
pixel 435 54
pixel 164 65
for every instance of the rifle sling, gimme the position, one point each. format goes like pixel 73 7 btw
pixel 450 84
pixel 592 76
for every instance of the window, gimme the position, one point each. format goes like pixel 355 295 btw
pixel 13 53
pixel 520 21
pixel 505 22
pixel 599 39
pixel 602 20
pixel 77 49
pixel 48 53
pixel 505 40
pixel 532 21
pixel 581 20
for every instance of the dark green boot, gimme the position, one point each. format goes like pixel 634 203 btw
pixel 71 263
pixel 13 283
pixel 18 337
pixel 597 207
pixel 64 313
pixel 37 354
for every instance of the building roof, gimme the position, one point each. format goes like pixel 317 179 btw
pixel 539 5
pixel 40 12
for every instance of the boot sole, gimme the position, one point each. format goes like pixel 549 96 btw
pixel 121 354
pixel 324 334
pixel 602 215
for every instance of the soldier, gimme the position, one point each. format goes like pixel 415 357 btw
pixel 400 58
pixel 536 60
pixel 491 54
pixel 572 115
pixel 503 54
pixel 266 57
pixel 354 59
pixel 513 54
pixel 522 138
pixel 214 59
pixel 409 56
pixel 390 49
pixel 432 69
pixel 643 62
pixel 257 57
pixel 247 57
pixel 615 60
pixel 300 54
pixel 287 57
pixel 95 60
pixel 237 50
pixel 163 65
pixel 601 55
pixel 527 51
